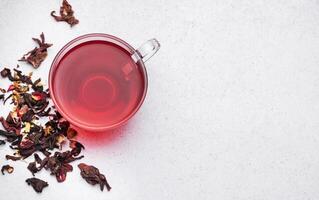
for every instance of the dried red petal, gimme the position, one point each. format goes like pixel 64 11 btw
pixel 10 88
pixel 38 96
pixel 36 56
pixel 76 147
pixel 32 167
pixel 5 72
pixel 66 14
pixel 71 133
pixel 7 168
pixel 37 184
pixel 8 127
pixel 61 176
pixel 26 144
pixel 13 158
pixel 24 109
pixel 2 90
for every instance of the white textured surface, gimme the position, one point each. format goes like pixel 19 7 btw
pixel 232 110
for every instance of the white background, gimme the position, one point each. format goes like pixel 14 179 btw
pixel 232 107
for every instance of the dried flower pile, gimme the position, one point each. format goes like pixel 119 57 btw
pixel 27 136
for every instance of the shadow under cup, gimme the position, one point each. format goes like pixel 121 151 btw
pixel 96 84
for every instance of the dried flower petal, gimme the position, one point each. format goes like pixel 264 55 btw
pixel 32 167
pixel 13 119
pixel 24 109
pixel 27 127
pixel 37 158
pixel 37 96
pixel 48 130
pixel 5 72
pixel 7 168
pixel 11 136
pixel 2 90
pixel 37 184
pixel 2 142
pixel 59 140
pixel 36 56
pixel 13 158
pixel 76 147
pixel 10 88
pixel 66 14
pixel 71 133
pixel 9 127
pixel 59 165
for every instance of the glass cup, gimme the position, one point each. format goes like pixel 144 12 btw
pixel 98 81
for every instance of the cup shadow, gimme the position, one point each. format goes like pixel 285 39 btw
pixel 100 139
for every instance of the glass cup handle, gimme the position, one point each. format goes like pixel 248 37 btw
pixel 147 50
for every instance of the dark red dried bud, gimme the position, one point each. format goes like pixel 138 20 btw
pixel 93 176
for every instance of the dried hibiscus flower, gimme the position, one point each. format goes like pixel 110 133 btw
pixel 59 165
pixel 71 133
pixel 10 136
pixel 9 127
pixel 37 184
pixel 7 168
pixel 66 14
pixel 92 176
pixel 13 158
pixel 76 147
pixel 5 73
pixel 36 56
pixel 32 167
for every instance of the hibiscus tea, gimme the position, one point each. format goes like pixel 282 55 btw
pixel 96 83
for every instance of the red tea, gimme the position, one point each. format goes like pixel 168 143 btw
pixel 97 84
